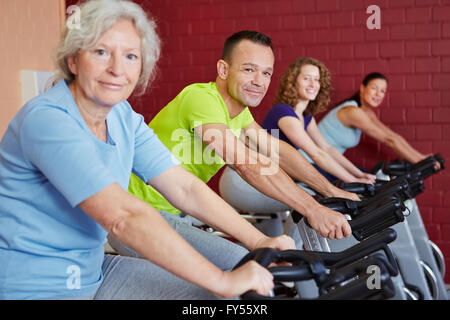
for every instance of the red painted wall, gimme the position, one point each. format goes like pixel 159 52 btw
pixel 412 48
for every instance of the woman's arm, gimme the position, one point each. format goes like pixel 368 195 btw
pixel 315 134
pixel 373 127
pixel 410 153
pixel 139 226
pixel 295 132
pixel 362 176
pixel 293 163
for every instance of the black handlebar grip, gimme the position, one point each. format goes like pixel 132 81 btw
pixel 441 160
pixel 369 245
pixel 371 220
pixel 366 247
pixel 358 276
pixel 377 220
pixel 397 167
pixel 358 188
pixel 311 265
pixel 291 273
pixel 426 167
pixel 342 205
pixel 264 256
pixel 252 295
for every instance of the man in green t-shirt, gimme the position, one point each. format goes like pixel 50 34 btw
pixel 196 105
pixel 203 125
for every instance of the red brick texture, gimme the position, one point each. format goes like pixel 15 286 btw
pixel 412 48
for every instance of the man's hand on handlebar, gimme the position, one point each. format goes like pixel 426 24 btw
pixel 281 243
pixel 339 193
pixel 330 224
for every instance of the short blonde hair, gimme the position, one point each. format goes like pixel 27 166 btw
pixel 96 17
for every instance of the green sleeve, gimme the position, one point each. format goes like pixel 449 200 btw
pixel 200 107
pixel 247 118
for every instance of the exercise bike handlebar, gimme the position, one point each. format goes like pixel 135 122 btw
pixel 316 262
pixel 358 289
pixel 425 167
pixel 364 189
pixel 404 171
pixel 328 285
pixel 264 256
pixel 369 220
pixel 336 260
pixel 404 187
pixel 397 186
pixel 373 221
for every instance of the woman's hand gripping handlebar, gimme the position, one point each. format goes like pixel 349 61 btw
pixel 332 271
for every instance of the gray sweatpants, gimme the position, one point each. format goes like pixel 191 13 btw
pixel 222 252
pixel 127 276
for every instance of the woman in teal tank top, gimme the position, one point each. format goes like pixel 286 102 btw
pixel 343 125
pixel 336 134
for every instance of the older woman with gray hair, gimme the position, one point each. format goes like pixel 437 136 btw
pixel 65 163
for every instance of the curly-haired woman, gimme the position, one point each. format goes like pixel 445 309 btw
pixel 304 90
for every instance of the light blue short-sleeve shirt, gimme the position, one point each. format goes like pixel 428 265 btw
pixel 49 163
pixel 335 133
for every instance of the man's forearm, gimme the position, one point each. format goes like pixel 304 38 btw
pixel 278 186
